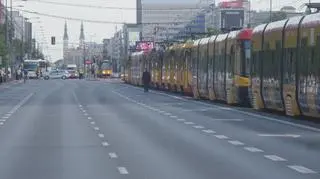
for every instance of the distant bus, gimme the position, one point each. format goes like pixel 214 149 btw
pixel 35 66
pixel 32 66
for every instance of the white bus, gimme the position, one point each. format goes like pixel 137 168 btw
pixel 34 66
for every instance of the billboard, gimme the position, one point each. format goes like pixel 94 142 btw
pixel 145 46
pixel 231 4
pixel 133 37
pixel 232 18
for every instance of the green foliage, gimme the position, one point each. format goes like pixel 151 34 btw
pixel 3 47
pixel 277 16
pixel 213 31
pixel 37 54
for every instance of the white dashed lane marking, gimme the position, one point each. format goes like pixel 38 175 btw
pixel 275 158
pixel 101 135
pixel 113 155
pixel 189 123
pixel 86 114
pixel 105 143
pixel 235 142
pixel 96 128
pixel 8 115
pixel 209 131
pixel 301 169
pixel 3 120
pixel 92 122
pixel 279 135
pixel 181 120
pixel 234 120
pixel 221 137
pixel 123 170
pixel 167 114
pixel 253 149
pixel 198 127
pixel 89 118
pixel 1 123
pixel 5 117
pixel 173 116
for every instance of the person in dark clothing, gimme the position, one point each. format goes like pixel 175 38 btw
pixel 146 78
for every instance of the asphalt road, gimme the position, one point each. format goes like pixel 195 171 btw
pixel 79 129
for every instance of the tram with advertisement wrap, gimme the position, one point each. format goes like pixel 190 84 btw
pixel 273 66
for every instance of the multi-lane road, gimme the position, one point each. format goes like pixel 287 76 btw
pixel 79 129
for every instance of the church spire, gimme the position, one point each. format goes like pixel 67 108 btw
pixel 81 33
pixel 65 35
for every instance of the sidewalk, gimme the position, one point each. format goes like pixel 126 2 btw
pixel 8 84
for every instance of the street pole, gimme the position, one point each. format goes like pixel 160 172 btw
pixel 11 28
pixel 270 10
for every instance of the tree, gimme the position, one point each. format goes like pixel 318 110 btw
pixel 3 47
pixel 277 16
pixel 213 31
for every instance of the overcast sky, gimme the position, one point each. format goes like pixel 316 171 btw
pixel 97 31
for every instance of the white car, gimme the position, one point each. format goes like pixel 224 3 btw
pixel 57 74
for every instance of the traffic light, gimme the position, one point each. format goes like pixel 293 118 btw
pixel 53 40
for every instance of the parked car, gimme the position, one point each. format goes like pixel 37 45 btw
pixel 57 74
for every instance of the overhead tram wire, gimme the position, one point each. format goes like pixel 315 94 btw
pixel 110 7
pixel 95 21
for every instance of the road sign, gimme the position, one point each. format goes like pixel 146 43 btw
pixel 88 62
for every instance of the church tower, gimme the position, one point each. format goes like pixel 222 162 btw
pixel 65 43
pixel 81 39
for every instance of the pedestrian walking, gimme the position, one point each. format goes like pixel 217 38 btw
pixel 146 78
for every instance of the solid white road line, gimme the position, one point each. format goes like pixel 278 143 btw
pixel 101 135
pixel 198 127
pixel 189 123
pixel 113 155
pixel 301 169
pixel 235 142
pixel 253 149
pixel 279 135
pixel 275 158
pixel 221 137
pixel 123 170
pixel 104 144
pixel 209 131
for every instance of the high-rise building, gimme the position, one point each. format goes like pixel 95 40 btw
pixel 160 21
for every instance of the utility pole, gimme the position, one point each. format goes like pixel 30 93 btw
pixel 270 10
